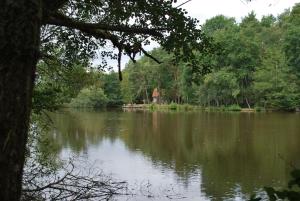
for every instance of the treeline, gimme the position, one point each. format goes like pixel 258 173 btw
pixel 74 85
pixel 256 64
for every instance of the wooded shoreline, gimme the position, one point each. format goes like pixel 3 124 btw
pixel 189 107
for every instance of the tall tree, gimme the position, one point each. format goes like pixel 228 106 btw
pixel 20 23
pixel 292 39
pixel 112 89
pixel 78 28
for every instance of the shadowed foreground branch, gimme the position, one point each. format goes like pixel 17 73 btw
pixel 40 183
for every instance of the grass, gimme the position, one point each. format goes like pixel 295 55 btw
pixel 235 108
pixel 172 106
pixel 188 107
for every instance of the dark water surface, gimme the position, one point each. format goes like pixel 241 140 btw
pixel 201 155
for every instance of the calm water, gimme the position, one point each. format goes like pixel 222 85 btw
pixel 201 155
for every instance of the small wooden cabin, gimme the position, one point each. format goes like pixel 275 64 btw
pixel 155 96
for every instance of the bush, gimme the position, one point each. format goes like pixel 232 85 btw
pixel 173 106
pixel 152 106
pixel 234 108
pixel 47 97
pixel 285 101
pixel 91 97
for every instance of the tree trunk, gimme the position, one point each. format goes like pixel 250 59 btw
pixel 147 97
pixel 236 101
pixel 20 22
pixel 217 102
pixel 247 103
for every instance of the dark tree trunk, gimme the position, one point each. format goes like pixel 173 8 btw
pixel 20 22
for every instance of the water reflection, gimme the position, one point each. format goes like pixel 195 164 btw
pixel 233 153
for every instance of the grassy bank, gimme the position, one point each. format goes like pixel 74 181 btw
pixel 188 107
pixel 173 106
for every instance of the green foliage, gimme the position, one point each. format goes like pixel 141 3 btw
pixel 57 84
pixel 233 108
pixel 168 25
pixel 220 87
pixel 46 97
pixel 173 106
pixel 112 89
pixel 268 21
pixel 292 43
pixel 286 100
pixel 217 23
pixel 274 84
pixel 73 38
pixel 91 97
pixel 152 106
pixel 255 63
pixel 292 39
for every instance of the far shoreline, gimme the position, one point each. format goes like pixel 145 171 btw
pixel 189 107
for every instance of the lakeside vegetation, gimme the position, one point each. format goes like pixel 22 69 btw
pixel 184 107
pixel 255 64
pixel 252 67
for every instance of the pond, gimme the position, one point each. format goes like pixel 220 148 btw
pixel 188 155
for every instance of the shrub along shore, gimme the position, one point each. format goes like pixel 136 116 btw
pixel 189 107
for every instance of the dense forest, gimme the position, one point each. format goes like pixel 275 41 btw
pixel 254 63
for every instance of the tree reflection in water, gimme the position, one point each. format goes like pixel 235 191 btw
pixel 234 153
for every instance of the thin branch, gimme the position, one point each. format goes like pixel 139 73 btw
pixel 150 56
pixel 183 3
pixel 72 186
pixel 103 31
pixel 119 64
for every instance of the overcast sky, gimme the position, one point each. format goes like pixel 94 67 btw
pixel 205 9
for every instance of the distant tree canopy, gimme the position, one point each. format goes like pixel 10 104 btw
pixel 255 64
pixel 68 31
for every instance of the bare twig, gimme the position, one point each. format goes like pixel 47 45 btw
pixel 183 3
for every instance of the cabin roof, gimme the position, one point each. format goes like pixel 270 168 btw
pixel 155 93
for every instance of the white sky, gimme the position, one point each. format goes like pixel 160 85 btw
pixel 205 9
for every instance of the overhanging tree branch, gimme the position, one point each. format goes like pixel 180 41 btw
pixel 59 19
pixel 103 31
pixel 150 56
